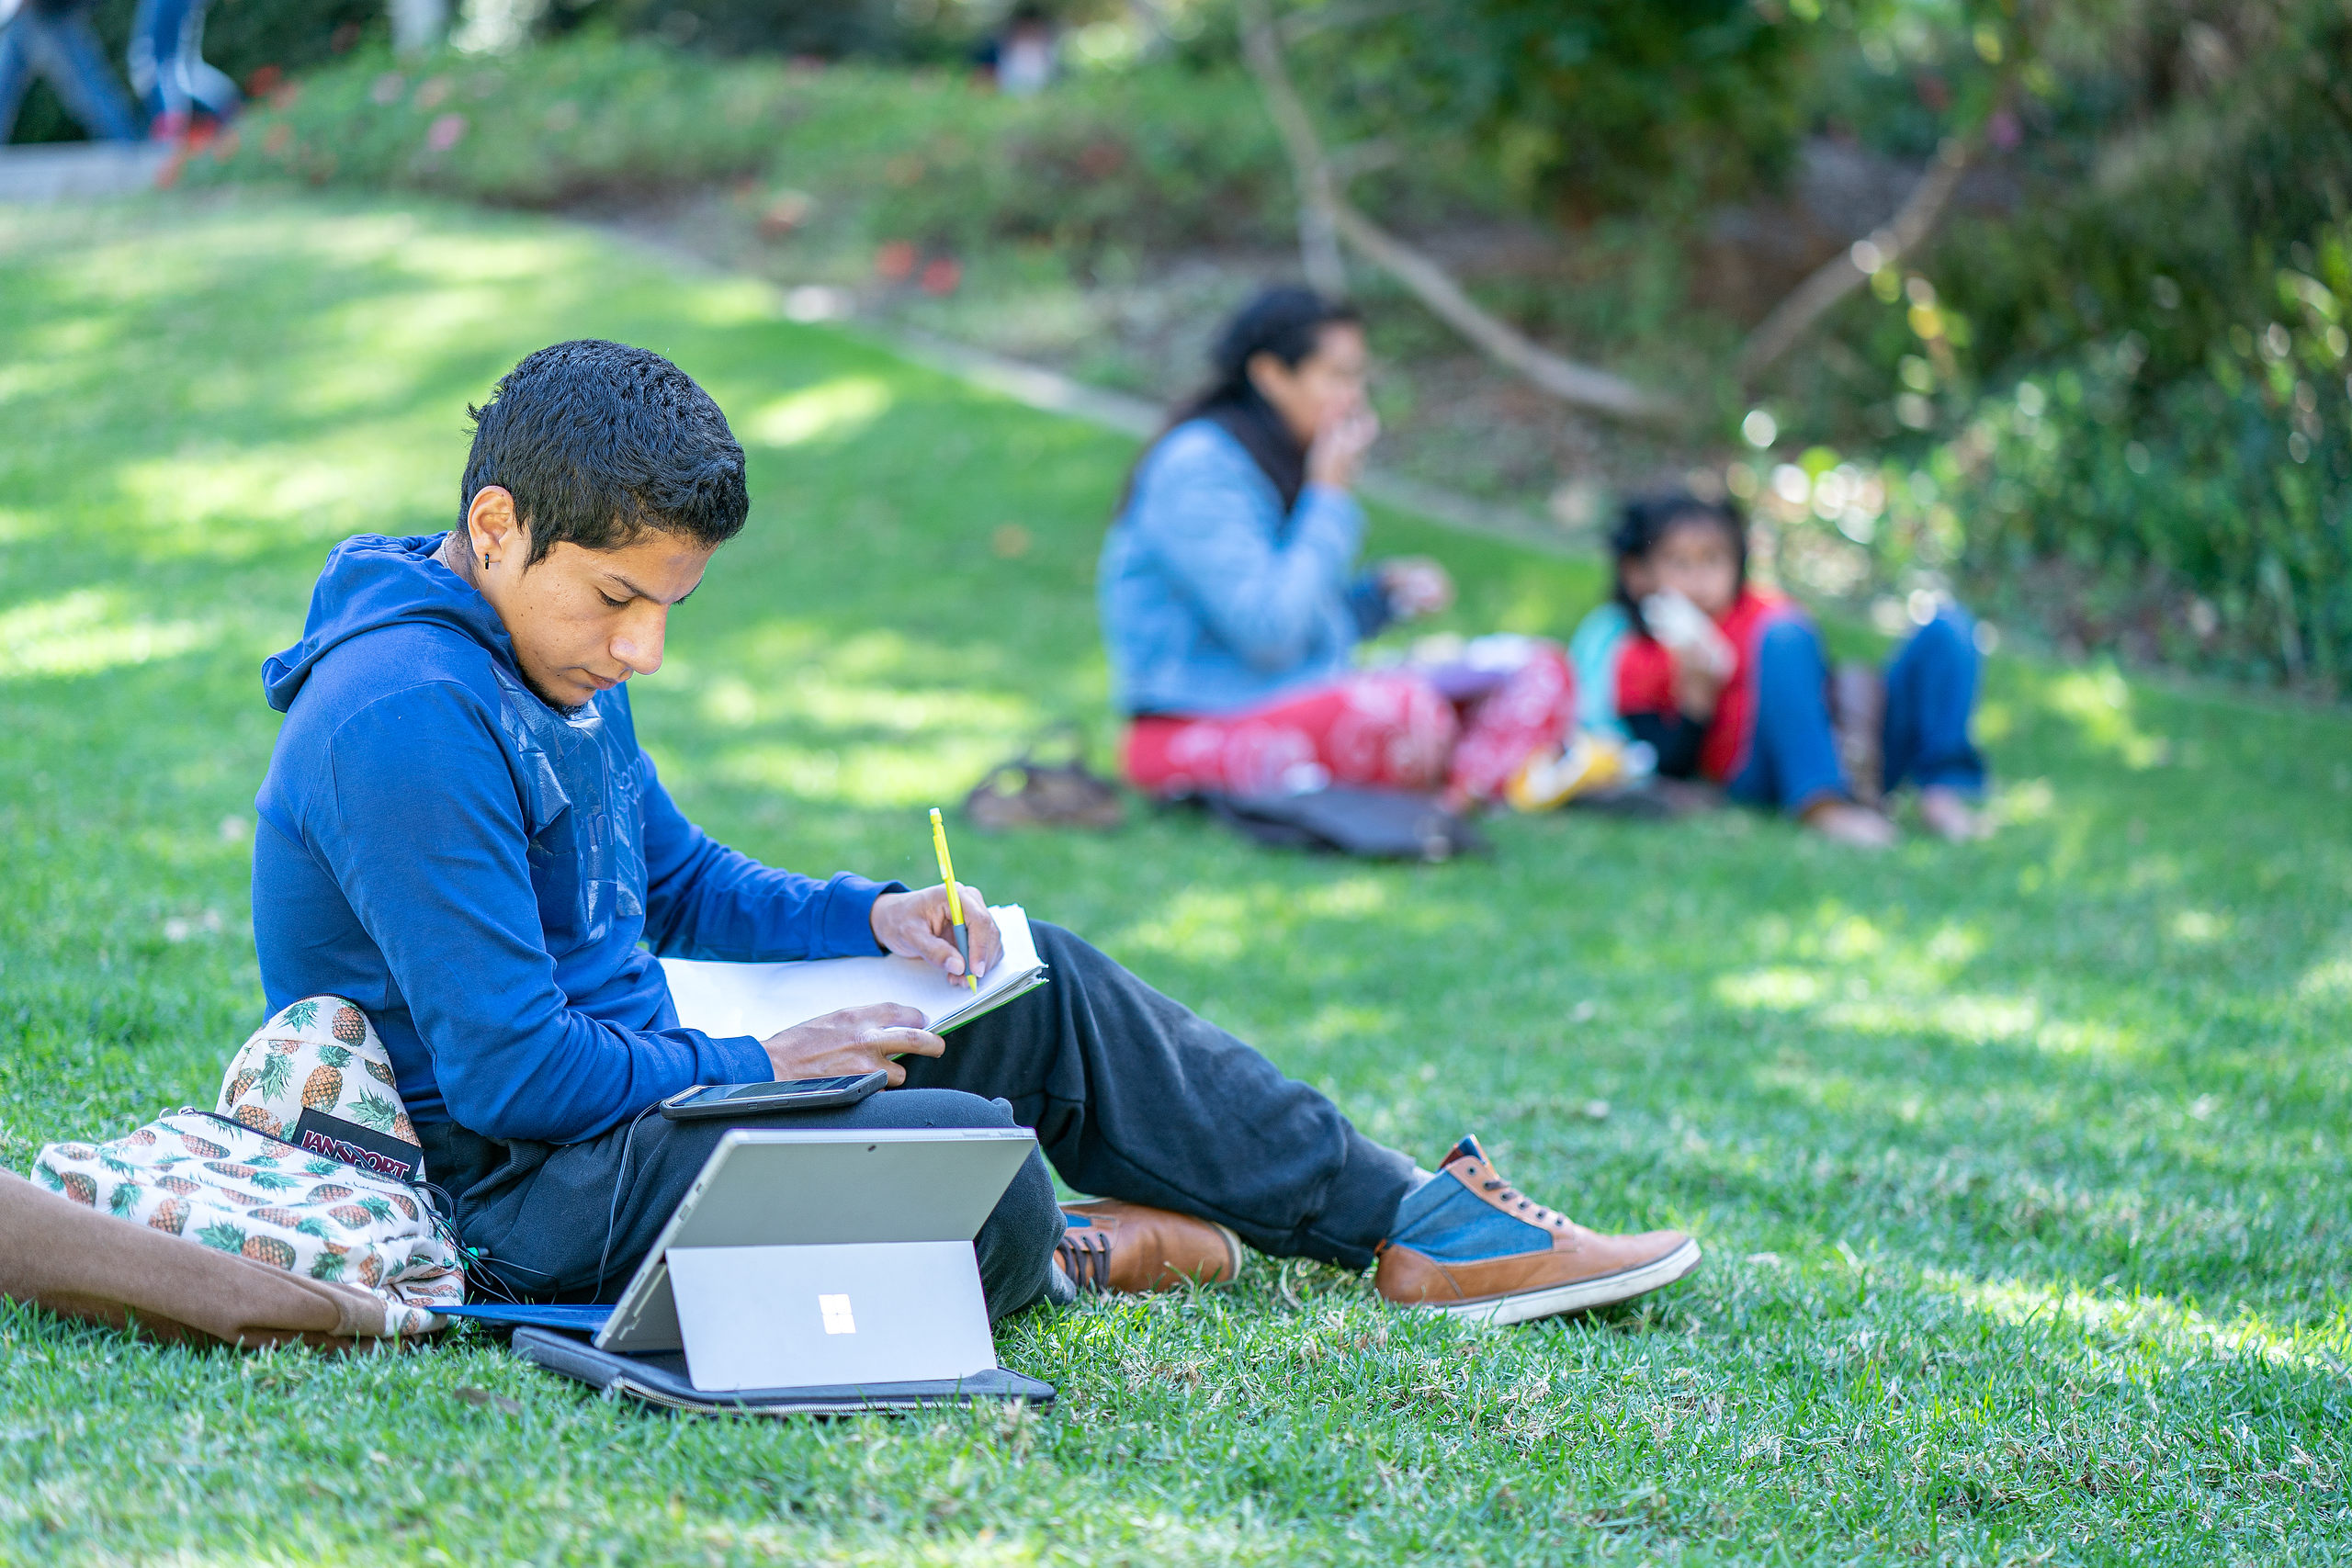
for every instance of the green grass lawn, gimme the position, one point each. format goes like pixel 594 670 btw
pixel 2021 1168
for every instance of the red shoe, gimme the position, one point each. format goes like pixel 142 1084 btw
pixel 1475 1248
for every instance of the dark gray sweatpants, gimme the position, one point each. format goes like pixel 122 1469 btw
pixel 1131 1095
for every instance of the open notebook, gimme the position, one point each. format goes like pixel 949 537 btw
pixel 757 999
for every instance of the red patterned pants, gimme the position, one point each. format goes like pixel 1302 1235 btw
pixel 1390 728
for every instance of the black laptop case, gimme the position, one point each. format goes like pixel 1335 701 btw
pixel 661 1380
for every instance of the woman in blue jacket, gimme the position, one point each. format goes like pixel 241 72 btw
pixel 1232 602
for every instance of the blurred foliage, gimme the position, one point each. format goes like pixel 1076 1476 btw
pixel 591 116
pixel 2120 368
pixel 2073 404
pixel 849 156
pixel 1583 106
pixel 828 28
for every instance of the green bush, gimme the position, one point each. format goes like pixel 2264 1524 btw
pixel 1154 160
pixel 591 116
pixel 2206 521
pixel 2201 519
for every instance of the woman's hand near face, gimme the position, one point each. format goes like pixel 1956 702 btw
pixel 1338 448
pixel 1416 585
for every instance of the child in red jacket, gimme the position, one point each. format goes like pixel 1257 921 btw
pixel 1728 681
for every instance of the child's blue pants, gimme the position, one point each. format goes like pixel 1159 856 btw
pixel 1930 699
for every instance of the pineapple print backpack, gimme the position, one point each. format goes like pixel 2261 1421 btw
pixel 308 1163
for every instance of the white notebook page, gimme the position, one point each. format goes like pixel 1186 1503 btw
pixel 758 999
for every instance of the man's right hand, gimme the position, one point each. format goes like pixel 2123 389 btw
pixel 853 1040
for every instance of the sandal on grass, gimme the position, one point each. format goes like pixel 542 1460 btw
pixel 1029 793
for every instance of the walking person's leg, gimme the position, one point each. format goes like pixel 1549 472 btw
pixel 1930 709
pixel 202 83
pixel 15 71
pixel 153 62
pixel 84 83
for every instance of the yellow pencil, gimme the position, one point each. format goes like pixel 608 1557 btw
pixel 954 903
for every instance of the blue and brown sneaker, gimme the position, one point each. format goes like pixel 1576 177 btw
pixel 1469 1245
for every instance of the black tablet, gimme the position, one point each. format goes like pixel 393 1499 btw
pixel 761 1098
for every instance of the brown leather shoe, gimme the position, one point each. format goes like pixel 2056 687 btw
pixel 1572 1269
pixel 1127 1248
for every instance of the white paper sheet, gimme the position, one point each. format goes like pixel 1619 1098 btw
pixel 758 999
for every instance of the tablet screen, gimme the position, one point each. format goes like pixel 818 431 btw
pixel 770 1090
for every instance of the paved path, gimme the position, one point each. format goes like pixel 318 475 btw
pixel 79 171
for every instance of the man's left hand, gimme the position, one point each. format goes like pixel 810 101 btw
pixel 915 925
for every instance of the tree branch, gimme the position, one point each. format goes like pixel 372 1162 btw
pixel 1828 283
pixel 1319 243
pixel 1324 214
pixel 1564 378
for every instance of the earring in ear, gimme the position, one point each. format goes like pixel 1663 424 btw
pixel 485 560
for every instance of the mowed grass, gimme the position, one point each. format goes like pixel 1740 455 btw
pixel 2021 1168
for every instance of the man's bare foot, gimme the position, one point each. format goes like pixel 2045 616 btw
pixel 1850 824
pixel 1947 814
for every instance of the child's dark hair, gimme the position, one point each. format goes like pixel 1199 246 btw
pixel 1647 519
pixel 599 442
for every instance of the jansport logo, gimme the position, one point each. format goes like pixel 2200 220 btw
pixel 332 1137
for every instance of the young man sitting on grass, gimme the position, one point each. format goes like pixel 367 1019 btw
pixel 459 833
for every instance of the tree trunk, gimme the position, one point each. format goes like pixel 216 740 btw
pixel 1324 215
pixel 1831 282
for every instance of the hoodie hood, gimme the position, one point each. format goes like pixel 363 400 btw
pixel 373 580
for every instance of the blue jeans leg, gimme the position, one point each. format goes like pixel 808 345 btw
pixel 1792 757
pixel 16 73
pixel 167 62
pixel 66 50
pixel 1931 702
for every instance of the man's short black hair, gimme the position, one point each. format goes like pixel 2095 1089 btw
pixel 599 442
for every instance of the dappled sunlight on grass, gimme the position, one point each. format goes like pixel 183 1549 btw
pixel 1781 989
pixel 2102 1054
pixel 1979 1021
pixel 232 504
pixel 2153 1323
pixel 834 410
pixel 2099 703
pixel 89 630
pixel 1201 924
pixel 860 777
pixel 538 259
pixel 2018 802
pixel 2330 979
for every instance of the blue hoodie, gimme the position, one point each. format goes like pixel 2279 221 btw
pixel 475 868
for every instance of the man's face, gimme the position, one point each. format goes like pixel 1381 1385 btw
pixel 583 620
pixel 1695 558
